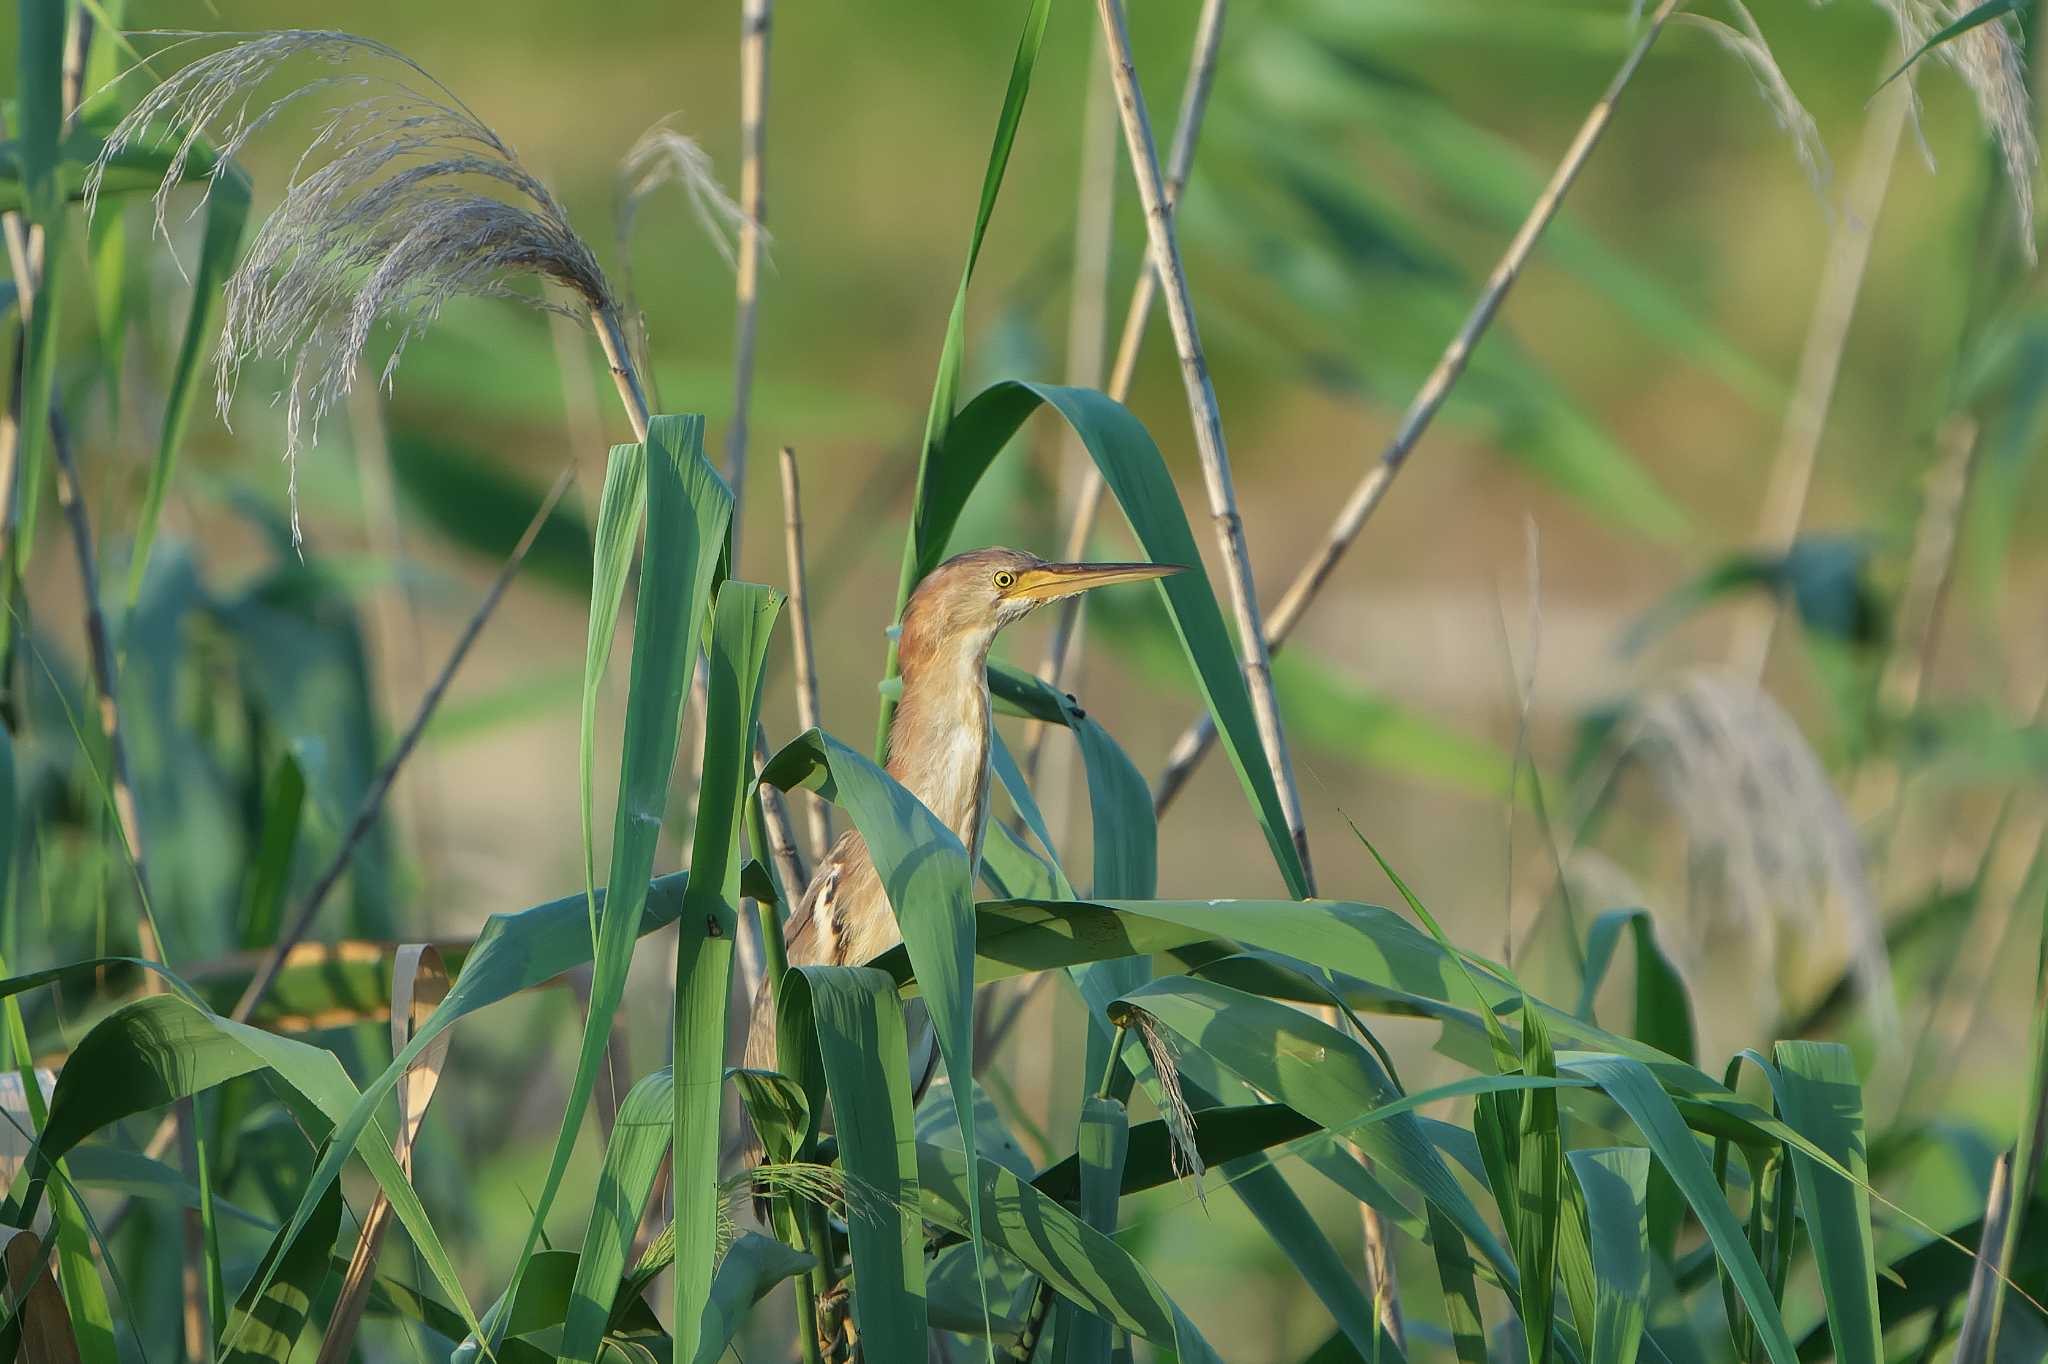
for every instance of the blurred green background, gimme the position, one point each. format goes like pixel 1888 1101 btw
pixel 1364 164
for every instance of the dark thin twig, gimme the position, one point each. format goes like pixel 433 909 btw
pixel 380 786
pixel 100 651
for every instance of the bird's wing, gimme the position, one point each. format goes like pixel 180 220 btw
pixel 810 930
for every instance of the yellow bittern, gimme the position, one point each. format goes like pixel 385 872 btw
pixel 938 746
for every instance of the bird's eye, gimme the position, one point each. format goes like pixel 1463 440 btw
pixel 1006 578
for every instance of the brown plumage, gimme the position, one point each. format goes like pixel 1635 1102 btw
pixel 938 746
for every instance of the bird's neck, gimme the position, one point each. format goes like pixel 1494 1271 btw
pixel 939 740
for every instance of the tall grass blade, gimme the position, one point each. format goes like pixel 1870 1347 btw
pixel 857 1022
pixel 1083 1338
pixel 688 508
pixel 1461 1290
pixel 2027 1151
pixel 742 622
pixel 1613 1186
pixel 1629 1083
pixel 158 1050
pixel 284 807
pixel 620 509
pixel 1079 1262
pixel 1320 1072
pixel 1663 1017
pixel 227 214
pixel 1539 1195
pixel 39 105
pixel 514 952
pixel 1818 1094
pixel 946 385
pixel 640 1139
pixel 419 982
pixel 270 1316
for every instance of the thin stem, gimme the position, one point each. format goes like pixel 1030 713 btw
pixel 1876 796
pixel 1194 103
pixel 755 19
pixel 611 338
pixel 1820 360
pixel 816 808
pixel 782 845
pixel 1974 1335
pixel 380 786
pixel 1208 423
pixel 1087 314
pixel 1196 740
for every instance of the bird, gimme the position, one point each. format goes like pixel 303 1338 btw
pixel 938 749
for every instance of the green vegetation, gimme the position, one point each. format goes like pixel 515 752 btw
pixel 232 990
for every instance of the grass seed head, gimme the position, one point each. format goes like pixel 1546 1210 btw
pixel 403 200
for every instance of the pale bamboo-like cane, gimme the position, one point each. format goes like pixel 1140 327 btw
pixel 1820 361
pixel 755 19
pixel 1194 103
pixel 817 809
pixel 1208 424
pixel 1366 497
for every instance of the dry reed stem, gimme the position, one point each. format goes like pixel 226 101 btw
pixel 419 982
pixel 1194 104
pixel 782 844
pixel 1208 424
pixel 380 786
pixel 1087 320
pixel 1916 627
pixel 1973 1335
pixel 817 809
pixel 1365 498
pixel 101 658
pixel 1820 363
pixel 756 16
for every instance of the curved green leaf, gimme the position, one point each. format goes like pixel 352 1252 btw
pixel 620 509
pixel 1134 472
pixel 858 1023
pixel 946 383
pixel 1630 1084
pixel 1080 1263
pixel 688 510
pixel 268 1324
pixel 742 622
pixel 227 214
pixel 1819 1095
pixel 1321 1073
pixel 164 1048
pixel 640 1140
pixel 1613 1186
pixel 1663 1004
pixel 1083 1338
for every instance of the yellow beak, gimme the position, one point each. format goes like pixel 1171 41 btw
pixel 1054 581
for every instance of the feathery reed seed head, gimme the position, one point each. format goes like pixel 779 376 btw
pixel 665 156
pixel 403 200
pixel 1990 63
pixel 1754 799
pixel 1173 1105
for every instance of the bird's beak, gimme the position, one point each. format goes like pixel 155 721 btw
pixel 1053 581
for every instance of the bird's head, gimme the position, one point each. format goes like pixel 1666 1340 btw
pixel 967 599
